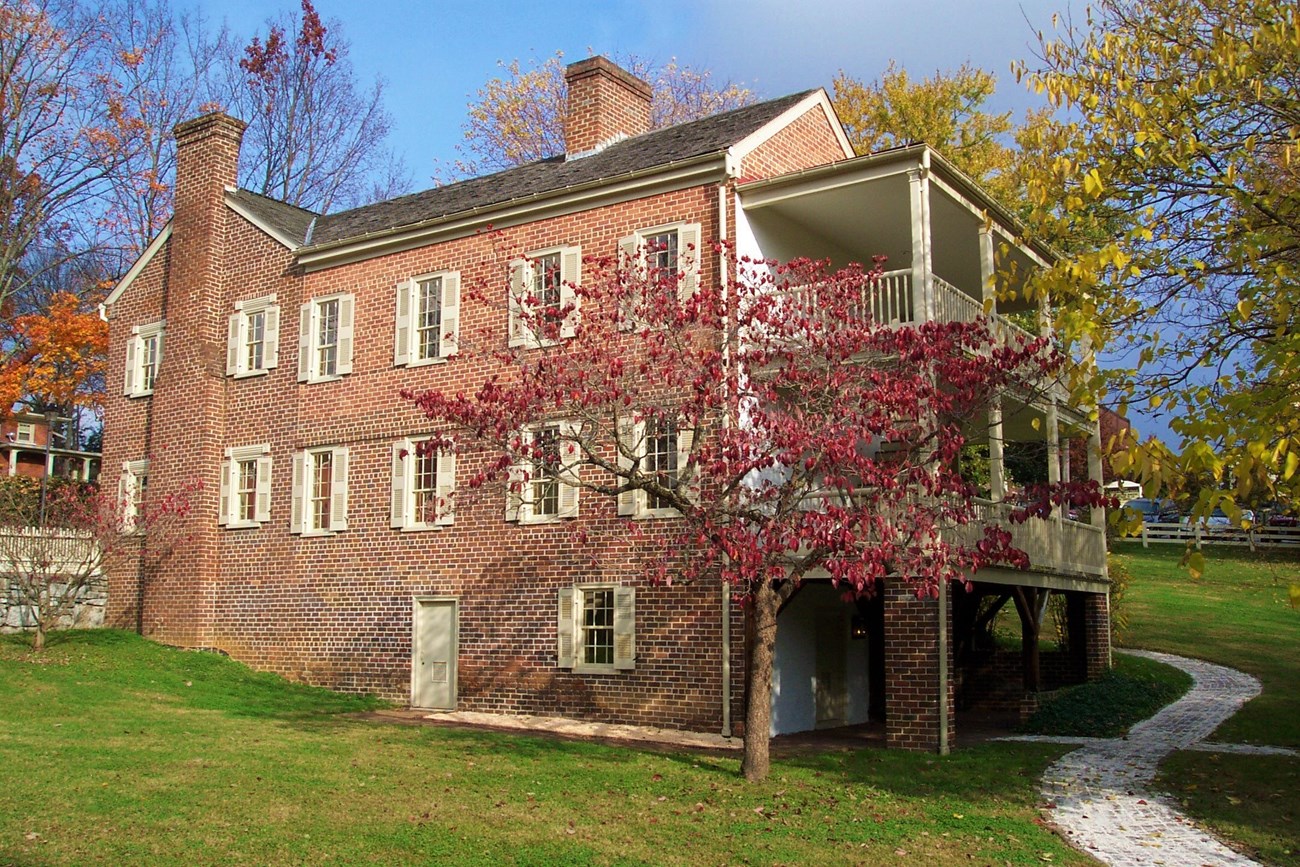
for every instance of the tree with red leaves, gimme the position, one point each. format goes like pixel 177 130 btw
pixel 786 431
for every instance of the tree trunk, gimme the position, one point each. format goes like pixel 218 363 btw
pixel 758 714
pixel 38 637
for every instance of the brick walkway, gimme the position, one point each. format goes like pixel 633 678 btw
pixel 1100 793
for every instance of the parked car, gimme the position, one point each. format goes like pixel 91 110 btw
pixel 1280 520
pixel 1155 511
pixel 1219 518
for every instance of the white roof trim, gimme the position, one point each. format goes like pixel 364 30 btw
pixel 149 252
pixel 287 241
pixel 749 143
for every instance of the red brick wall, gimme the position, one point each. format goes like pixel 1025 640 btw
pixel 912 670
pixel 1097 616
pixel 808 141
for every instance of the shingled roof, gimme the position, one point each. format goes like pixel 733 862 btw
pixel 659 148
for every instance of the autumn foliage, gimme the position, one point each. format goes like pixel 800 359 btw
pixel 56 357
pixel 809 439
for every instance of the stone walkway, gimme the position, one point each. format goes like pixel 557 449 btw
pixel 1100 793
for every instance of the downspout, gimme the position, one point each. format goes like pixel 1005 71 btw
pixel 726 591
pixel 944 589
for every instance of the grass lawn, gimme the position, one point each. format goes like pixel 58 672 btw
pixel 115 750
pixel 1108 707
pixel 1237 614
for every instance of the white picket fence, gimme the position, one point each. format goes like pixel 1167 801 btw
pixel 1200 534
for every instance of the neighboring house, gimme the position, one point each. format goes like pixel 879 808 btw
pixel 261 348
pixel 28 449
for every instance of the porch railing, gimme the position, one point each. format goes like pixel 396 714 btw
pixel 888 300
pixel 1060 546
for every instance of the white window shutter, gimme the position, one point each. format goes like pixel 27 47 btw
pixel 624 628
pixel 446 487
pixel 347 309
pixel 570 277
pixel 564 629
pixel 570 469
pixel 233 343
pixel 687 478
pixel 402 330
pixel 339 491
pixel 403 451
pixel 223 516
pixel 631 441
pixel 162 335
pixel 271 338
pixel 689 256
pixel 299 493
pixel 630 262
pixel 132 347
pixel 520 287
pixel 125 496
pixel 450 315
pixel 262 504
pixel 305 341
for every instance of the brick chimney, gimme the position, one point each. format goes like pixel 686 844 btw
pixel 188 411
pixel 606 103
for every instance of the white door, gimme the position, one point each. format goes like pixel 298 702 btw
pixel 433 666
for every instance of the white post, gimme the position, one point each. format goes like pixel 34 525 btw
pixel 1054 473
pixel 997 466
pixel 1094 470
pixel 919 188
pixel 987 273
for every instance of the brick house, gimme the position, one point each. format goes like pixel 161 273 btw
pixel 308 553
pixel 27 449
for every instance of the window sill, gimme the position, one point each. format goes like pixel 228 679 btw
pixel 425 362
pixel 136 394
pixel 315 379
pixel 652 514
pixel 597 669
pixel 318 534
pixel 543 521
pixel 246 374
pixel 243 525
pixel 422 528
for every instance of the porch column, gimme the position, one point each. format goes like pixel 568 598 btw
pixel 1065 459
pixel 987 278
pixel 922 297
pixel 1095 471
pixel 1097 614
pixel 913 666
pixel 997 466
pixel 1054 473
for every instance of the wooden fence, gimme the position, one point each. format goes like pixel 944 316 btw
pixel 1218 534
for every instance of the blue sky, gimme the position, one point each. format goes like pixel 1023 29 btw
pixel 435 55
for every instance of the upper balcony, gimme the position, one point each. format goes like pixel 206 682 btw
pixel 952 253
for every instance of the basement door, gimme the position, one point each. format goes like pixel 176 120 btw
pixel 433 646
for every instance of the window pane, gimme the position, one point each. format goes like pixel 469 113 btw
pixel 424 488
pixel 327 337
pixel 322 480
pixel 598 627
pixel 661 458
pixel 246 490
pixel 148 362
pixel 661 251
pixel 428 321
pixel 546 282
pixel 256 331
pixel 546 471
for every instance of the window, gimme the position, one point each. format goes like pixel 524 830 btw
pixel 131 487
pixel 245 487
pixel 543 486
pixel 143 355
pixel 658 449
pixel 325 338
pixel 428 311
pixel 253 337
pixel 25 433
pixel 665 252
pixel 423 484
pixel 541 286
pixel 320 491
pixel 596 628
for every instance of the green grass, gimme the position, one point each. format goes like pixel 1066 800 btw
pixel 1238 614
pixel 115 750
pixel 1108 707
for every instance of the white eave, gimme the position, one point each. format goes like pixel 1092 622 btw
pixel 145 258
pixel 758 137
